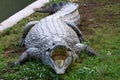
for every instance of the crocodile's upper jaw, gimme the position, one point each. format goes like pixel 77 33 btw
pixel 60 65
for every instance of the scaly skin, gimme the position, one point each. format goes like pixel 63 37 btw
pixel 55 39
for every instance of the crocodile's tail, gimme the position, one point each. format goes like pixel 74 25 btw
pixel 52 8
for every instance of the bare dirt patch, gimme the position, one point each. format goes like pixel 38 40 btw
pixel 88 16
pixel 13 52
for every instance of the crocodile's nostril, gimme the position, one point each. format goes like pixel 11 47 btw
pixel 53 44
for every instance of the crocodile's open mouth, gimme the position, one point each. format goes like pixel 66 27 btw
pixel 59 55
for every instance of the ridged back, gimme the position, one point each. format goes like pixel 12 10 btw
pixel 49 30
pixel 54 28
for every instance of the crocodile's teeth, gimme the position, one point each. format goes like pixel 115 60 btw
pixel 59 63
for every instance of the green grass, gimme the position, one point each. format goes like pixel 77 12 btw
pixel 105 40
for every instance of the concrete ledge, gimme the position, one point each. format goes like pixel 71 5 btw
pixel 21 14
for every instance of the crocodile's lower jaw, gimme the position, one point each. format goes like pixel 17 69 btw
pixel 59 63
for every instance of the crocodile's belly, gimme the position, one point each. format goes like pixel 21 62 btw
pixel 43 33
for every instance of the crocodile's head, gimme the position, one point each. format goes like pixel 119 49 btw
pixel 59 58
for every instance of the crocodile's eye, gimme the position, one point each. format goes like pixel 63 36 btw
pixel 59 55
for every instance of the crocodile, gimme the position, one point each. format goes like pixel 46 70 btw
pixel 55 40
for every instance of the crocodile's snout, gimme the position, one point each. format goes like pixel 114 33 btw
pixel 60 66
pixel 60 58
pixel 60 70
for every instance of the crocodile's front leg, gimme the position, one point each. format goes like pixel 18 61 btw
pixel 28 54
pixel 26 30
pixel 80 47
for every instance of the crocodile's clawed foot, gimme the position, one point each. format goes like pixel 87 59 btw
pixel 12 64
pixel 82 39
pixel 21 43
pixel 91 52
